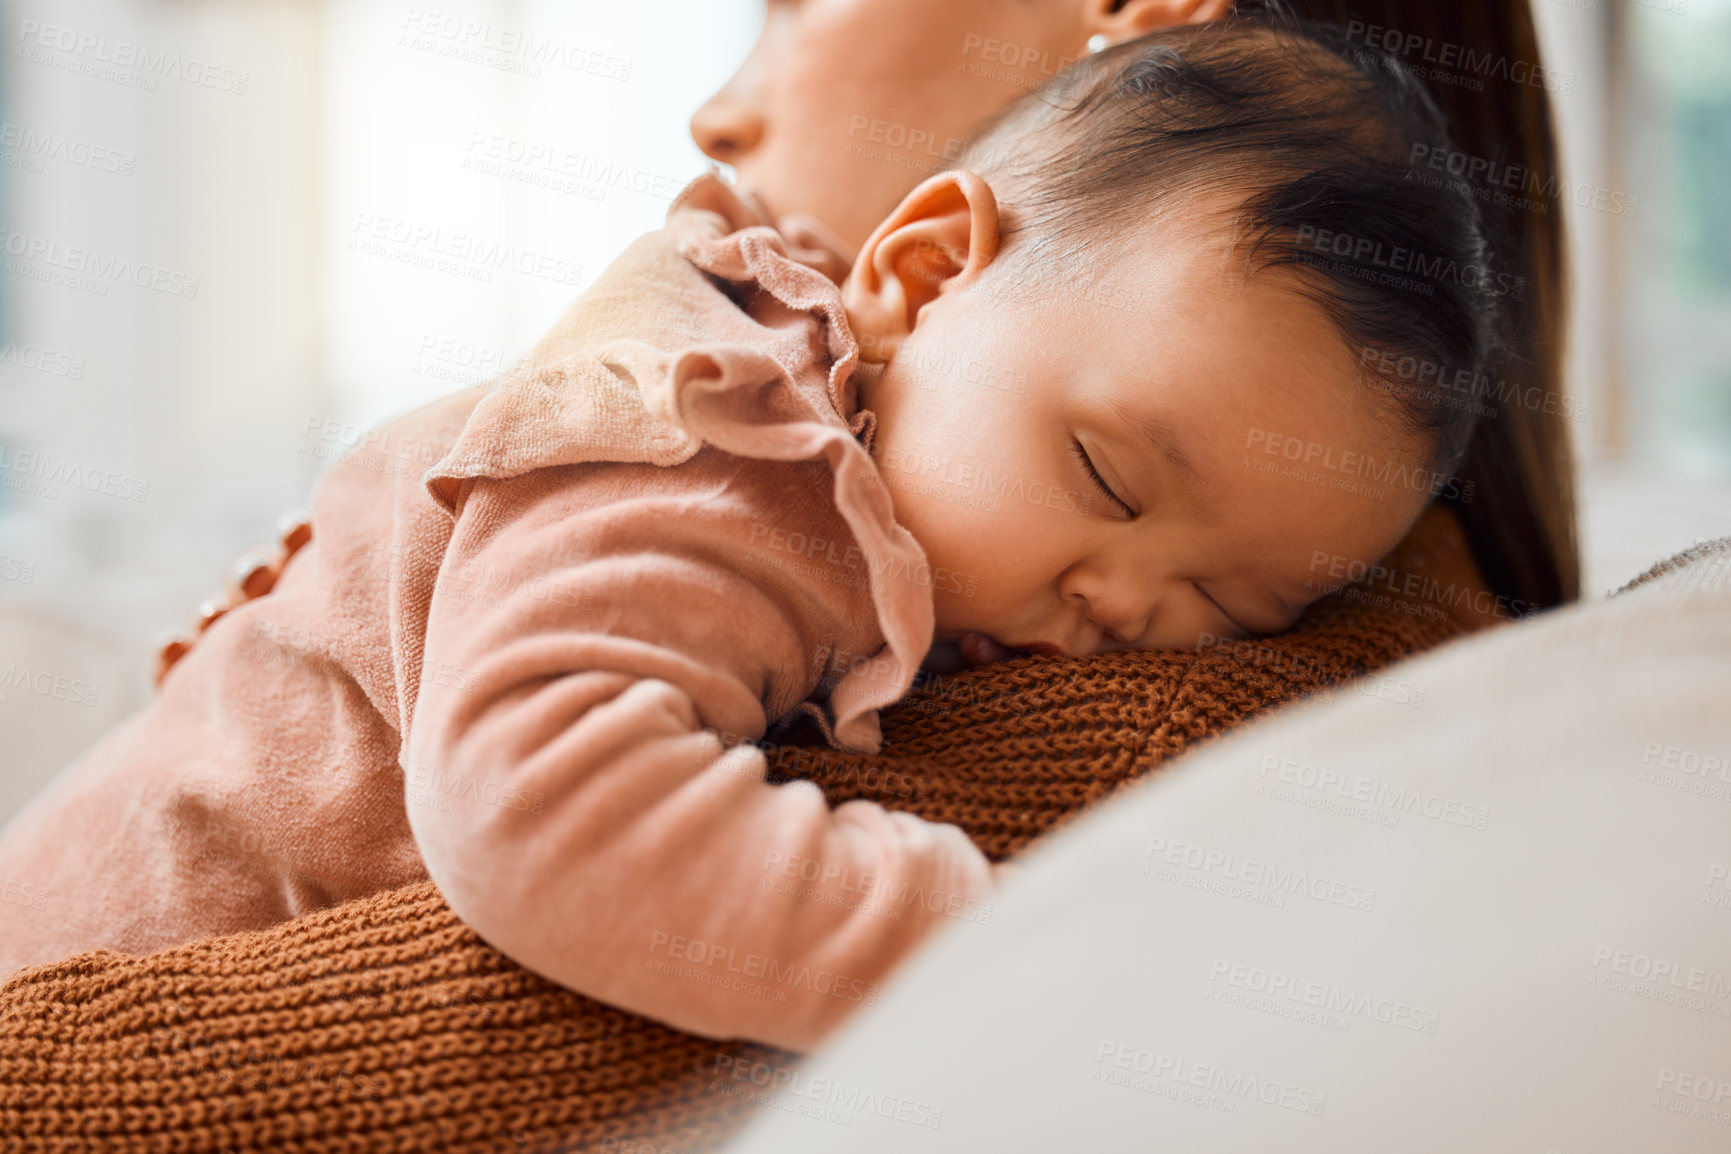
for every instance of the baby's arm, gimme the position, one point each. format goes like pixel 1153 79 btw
pixel 569 804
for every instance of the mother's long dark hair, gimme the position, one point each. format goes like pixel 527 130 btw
pixel 1522 524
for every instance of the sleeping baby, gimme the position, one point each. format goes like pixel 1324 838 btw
pixel 531 638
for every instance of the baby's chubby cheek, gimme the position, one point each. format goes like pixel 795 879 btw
pixel 970 487
pixel 971 443
pixel 945 501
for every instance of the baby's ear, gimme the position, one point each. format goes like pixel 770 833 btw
pixel 941 236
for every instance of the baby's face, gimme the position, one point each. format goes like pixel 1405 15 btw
pixel 1174 373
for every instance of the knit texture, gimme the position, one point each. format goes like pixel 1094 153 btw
pixel 385 1024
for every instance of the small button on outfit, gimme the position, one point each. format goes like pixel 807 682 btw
pixel 252 575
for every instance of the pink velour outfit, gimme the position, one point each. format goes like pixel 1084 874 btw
pixel 528 672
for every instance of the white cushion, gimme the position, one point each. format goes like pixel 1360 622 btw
pixel 1497 921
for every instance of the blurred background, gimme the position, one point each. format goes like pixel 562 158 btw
pixel 239 232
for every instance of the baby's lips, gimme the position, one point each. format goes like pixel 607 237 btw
pixel 979 649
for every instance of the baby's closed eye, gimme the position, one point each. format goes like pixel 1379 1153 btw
pixel 1099 482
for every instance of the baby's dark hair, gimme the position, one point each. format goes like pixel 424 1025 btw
pixel 1318 135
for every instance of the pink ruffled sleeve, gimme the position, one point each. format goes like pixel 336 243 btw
pixel 596 625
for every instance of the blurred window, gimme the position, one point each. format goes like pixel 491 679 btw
pixel 1675 128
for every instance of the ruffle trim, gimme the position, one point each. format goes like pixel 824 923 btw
pixel 626 400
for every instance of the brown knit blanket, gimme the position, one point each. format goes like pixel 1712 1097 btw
pixel 386 1025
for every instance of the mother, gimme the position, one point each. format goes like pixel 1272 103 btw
pixel 465 1047
pixel 844 105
